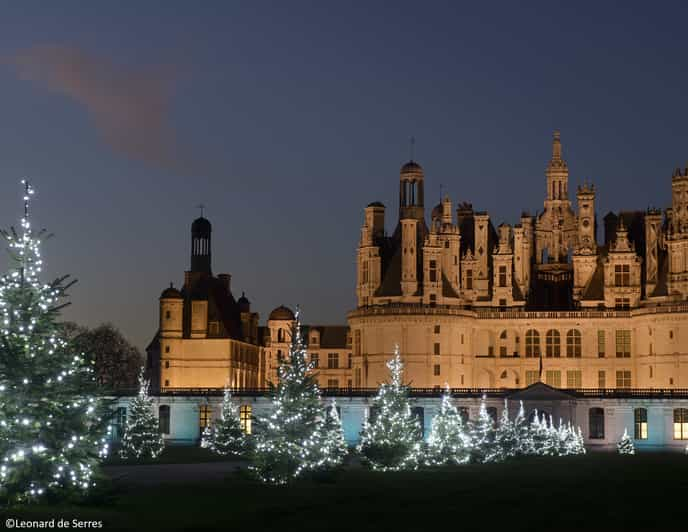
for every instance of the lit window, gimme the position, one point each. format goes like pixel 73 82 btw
pixel 573 344
pixel 532 343
pixel 622 303
pixel 245 418
pixel 553 344
pixel 681 423
pixel 333 360
pixel 623 343
pixel 205 415
pixel 640 422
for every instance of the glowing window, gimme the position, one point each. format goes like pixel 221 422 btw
pixel 245 419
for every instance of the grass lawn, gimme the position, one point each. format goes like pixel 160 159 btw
pixel 582 493
pixel 172 454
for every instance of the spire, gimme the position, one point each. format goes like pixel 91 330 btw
pixel 556 147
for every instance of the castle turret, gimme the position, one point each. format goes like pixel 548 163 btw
pixel 411 182
pixel 200 245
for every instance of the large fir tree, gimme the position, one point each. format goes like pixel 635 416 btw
pixel 506 437
pixel 142 438
pixel 288 439
pixel 52 426
pixel 392 440
pixel 482 433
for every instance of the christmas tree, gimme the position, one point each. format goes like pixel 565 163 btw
pixel 53 429
pixel 226 437
pixel 580 442
pixel 524 441
pixel 506 437
pixel 625 444
pixel 448 443
pixel 482 434
pixel 142 438
pixel 551 442
pixel 333 449
pixel 288 440
pixel 391 441
pixel 539 434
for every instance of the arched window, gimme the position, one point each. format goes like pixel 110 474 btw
pixel 596 419
pixel 573 344
pixel 245 418
pixel 640 422
pixel 280 335
pixel 553 344
pixel 164 418
pixel 681 423
pixel 503 344
pixel 503 335
pixel 532 343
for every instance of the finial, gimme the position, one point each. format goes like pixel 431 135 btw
pixel 556 145
pixel 201 207
pixel 171 284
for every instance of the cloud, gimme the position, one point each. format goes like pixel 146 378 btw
pixel 130 108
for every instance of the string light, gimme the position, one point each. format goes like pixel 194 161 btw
pixel 225 436
pixel 142 438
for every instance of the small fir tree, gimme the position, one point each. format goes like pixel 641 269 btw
pixel 551 445
pixel 288 439
pixel 539 434
pixel 482 434
pixel 333 449
pixel 391 441
pixel 53 427
pixel 580 442
pixel 448 442
pixel 625 444
pixel 524 440
pixel 226 437
pixel 142 438
pixel 506 437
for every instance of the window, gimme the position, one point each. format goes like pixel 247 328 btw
pixel 553 344
pixel 433 271
pixel 502 276
pixel 168 315
pixel 214 328
pixel 433 300
pixel 531 376
pixel 461 380
pixel 532 343
pixel 167 364
pixel 601 344
pixel 623 378
pixel 640 423
pixel 315 360
pixel 167 349
pixel 349 384
pixel 348 361
pixel 333 360
pixel 574 379
pixel 314 339
pixel 622 275
pixel 573 344
pixel 205 416
pixel 167 382
pixel 469 279
pixel 245 419
pixel 164 418
pixel 553 378
pixel 364 272
pixel 681 423
pixel 461 338
pixel 622 303
pixel 437 329
pixel 357 342
pixel 120 421
pixel 436 348
pixel 436 370
pixel 601 379
pixel 596 419
pixel 280 335
pixel 623 344
pixel 333 383
pixel 502 351
pixel 357 377
pixel 490 351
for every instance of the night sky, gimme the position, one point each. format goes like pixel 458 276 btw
pixel 286 119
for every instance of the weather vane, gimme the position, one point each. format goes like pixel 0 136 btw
pixel 201 206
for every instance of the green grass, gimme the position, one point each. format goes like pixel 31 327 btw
pixel 172 454
pixel 593 492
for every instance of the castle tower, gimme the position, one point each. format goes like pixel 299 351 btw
pixel 411 216
pixel 200 245
pixel 162 367
pixel 677 239
pixel 557 173
pixel 368 261
pixel 411 182
pixel 587 243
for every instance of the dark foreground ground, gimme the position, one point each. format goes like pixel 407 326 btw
pixel 594 492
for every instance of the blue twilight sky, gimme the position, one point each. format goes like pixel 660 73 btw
pixel 286 118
